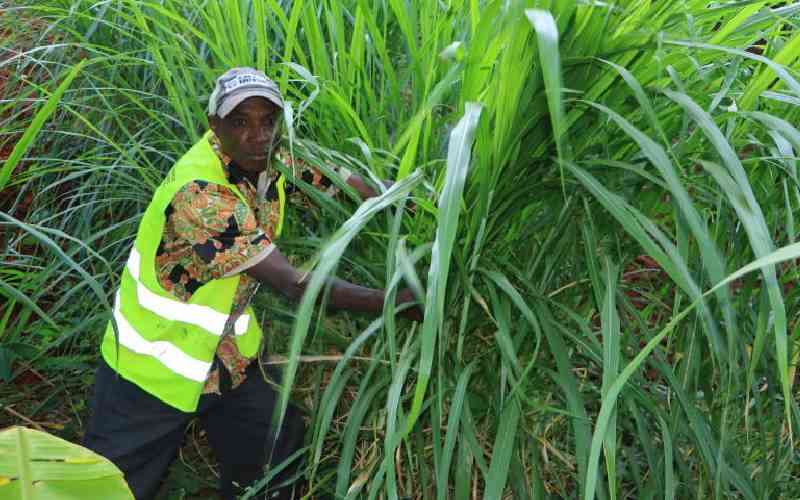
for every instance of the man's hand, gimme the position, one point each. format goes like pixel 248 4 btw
pixel 276 272
pixel 414 313
pixel 365 190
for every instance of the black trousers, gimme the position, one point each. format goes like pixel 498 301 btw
pixel 141 435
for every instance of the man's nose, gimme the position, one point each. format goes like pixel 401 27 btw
pixel 262 134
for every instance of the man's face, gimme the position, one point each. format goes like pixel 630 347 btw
pixel 247 133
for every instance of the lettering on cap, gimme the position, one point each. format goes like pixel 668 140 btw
pixel 243 80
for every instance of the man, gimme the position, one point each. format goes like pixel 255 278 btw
pixel 188 340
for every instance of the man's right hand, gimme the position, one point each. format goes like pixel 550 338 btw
pixel 276 272
pixel 413 313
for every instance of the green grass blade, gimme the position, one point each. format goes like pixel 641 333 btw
pixel 670 485
pixel 10 292
pixel 453 419
pixel 610 326
pixel 755 225
pixel 787 56
pixel 329 257
pixel 458 161
pixel 712 258
pixel 609 401
pixel 779 70
pixel 550 60
pixel 502 451
pixel 26 141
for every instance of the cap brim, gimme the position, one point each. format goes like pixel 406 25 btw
pixel 230 102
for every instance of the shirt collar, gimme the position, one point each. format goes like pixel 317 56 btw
pixel 233 172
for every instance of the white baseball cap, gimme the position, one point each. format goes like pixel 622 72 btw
pixel 236 85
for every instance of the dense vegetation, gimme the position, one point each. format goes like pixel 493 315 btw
pixel 580 182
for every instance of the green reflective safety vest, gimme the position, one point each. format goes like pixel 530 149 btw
pixel 166 346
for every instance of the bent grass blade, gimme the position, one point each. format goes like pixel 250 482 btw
pixel 329 257
pixel 458 161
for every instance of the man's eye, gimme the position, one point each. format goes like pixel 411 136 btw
pixel 239 123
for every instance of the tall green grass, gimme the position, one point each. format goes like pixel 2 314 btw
pixel 591 185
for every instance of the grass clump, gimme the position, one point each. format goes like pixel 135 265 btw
pixel 585 177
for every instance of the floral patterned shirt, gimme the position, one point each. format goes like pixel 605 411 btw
pixel 210 233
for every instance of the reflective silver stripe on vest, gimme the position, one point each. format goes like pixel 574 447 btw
pixel 168 354
pixel 205 317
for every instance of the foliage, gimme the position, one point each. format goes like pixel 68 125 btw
pixel 38 466
pixel 571 243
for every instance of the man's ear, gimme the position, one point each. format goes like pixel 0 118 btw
pixel 213 122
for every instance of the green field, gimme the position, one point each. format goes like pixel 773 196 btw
pixel 597 202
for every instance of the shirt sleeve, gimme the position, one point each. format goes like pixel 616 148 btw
pixel 221 230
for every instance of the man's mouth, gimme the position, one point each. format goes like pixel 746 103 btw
pixel 259 154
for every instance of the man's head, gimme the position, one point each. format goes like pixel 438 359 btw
pixel 244 111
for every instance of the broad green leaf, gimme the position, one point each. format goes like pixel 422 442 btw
pixel 35 465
